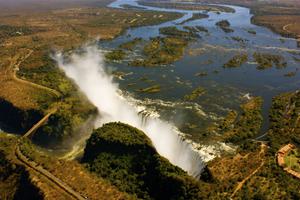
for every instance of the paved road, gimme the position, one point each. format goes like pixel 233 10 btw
pixel 240 184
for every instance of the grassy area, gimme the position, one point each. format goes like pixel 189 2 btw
pixel 236 61
pixel 292 160
pixel 283 19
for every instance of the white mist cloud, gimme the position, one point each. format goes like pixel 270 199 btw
pixel 88 72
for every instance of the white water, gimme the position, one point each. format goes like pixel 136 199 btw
pixel 88 72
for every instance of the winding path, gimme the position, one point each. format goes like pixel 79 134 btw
pixel 15 66
pixel 240 184
pixel 285 28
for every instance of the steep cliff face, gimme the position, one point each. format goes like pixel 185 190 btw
pixel 15 119
pixel 125 156
pixel 15 182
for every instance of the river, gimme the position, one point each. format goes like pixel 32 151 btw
pixel 225 87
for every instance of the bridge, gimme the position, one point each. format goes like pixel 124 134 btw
pixel 64 187
pixel 31 131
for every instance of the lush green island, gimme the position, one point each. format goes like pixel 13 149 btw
pixel 225 26
pixel 236 61
pixel 131 44
pixel 195 16
pixel 195 94
pixel 161 51
pixel 115 55
pixel 265 61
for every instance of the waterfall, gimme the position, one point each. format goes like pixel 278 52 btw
pixel 87 69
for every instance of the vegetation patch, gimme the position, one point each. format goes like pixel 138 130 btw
pixel 266 60
pixel 201 74
pixel 152 89
pixel 131 44
pixel 239 39
pixel 174 32
pixel 284 120
pixel 8 31
pixel 125 157
pixel 115 55
pixel 73 108
pixel 245 125
pixel 225 26
pixel 290 74
pixel 292 160
pixel 192 30
pixel 253 171
pixel 161 51
pixel 196 16
pixel 199 91
pixel 251 31
pixel 236 61
pixel 202 29
pixel 228 122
